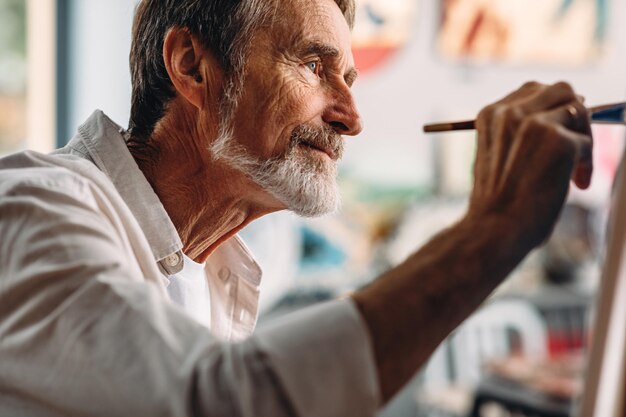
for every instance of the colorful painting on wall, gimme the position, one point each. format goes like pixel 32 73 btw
pixel 382 28
pixel 561 32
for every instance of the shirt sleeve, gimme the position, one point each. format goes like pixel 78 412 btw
pixel 323 356
pixel 81 334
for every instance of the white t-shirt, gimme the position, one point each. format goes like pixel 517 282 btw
pixel 190 290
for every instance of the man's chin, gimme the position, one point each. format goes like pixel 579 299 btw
pixel 315 210
pixel 304 180
pixel 307 184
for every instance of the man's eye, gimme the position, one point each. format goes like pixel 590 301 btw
pixel 314 67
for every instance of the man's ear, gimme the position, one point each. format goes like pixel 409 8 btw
pixel 194 71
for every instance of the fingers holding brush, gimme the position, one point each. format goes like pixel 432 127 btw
pixel 529 146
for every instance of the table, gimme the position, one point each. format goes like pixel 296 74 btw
pixel 516 397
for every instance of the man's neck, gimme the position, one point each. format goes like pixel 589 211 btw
pixel 207 201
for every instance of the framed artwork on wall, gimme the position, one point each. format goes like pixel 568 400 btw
pixel 381 29
pixel 543 32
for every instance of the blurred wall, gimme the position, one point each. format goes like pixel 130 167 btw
pixel 96 74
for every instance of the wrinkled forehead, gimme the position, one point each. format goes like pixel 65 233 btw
pixel 303 21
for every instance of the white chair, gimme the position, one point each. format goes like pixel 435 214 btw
pixel 497 330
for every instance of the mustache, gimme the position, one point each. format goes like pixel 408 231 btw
pixel 322 137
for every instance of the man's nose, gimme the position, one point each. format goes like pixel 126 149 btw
pixel 342 115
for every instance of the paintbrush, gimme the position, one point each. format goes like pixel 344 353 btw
pixel 604 114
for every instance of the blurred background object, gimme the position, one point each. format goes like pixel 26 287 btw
pixel 12 75
pixel 28 57
pixel 382 29
pixel 420 61
pixel 555 32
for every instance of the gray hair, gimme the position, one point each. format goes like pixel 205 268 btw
pixel 225 27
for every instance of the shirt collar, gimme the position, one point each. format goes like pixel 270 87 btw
pixel 101 140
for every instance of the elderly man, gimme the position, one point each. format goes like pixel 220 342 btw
pixel 119 250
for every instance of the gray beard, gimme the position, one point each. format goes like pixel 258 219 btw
pixel 305 183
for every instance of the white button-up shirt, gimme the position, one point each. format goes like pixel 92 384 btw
pixel 87 328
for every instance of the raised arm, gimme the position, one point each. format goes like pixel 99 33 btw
pixel 529 146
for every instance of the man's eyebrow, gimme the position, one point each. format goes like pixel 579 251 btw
pixel 321 49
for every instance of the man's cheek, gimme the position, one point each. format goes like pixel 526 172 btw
pixel 303 108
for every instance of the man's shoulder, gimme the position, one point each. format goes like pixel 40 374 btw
pixel 31 170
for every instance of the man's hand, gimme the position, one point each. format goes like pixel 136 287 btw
pixel 529 146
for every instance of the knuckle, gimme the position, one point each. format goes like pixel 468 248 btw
pixel 566 89
pixel 501 112
pixel 513 114
pixel 536 122
pixel 580 107
pixel 536 126
pixel 531 85
pixel 488 111
pixel 564 85
pixel 506 113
